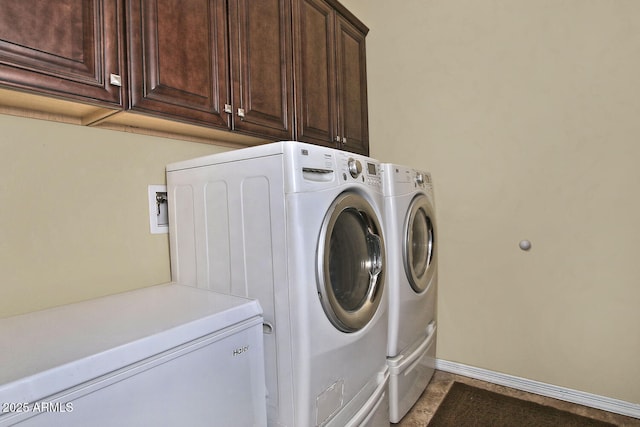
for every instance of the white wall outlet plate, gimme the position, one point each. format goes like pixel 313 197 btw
pixel 158 209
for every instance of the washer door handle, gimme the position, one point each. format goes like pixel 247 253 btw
pixel 375 247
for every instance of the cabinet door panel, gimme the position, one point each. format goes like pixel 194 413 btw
pixel 178 59
pixel 315 72
pixel 261 67
pixel 352 87
pixel 65 47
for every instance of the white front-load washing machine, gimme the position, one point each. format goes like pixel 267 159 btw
pixel 410 229
pixel 299 228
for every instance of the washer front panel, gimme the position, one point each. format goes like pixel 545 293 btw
pixel 351 262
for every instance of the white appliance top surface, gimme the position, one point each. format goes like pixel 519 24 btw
pixel 47 351
pixel 307 167
pixel 271 149
pixel 263 150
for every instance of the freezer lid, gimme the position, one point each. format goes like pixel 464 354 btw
pixel 44 352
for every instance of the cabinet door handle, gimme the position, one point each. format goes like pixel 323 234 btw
pixel 241 112
pixel 338 138
pixel 344 140
pixel 115 80
pixel 227 108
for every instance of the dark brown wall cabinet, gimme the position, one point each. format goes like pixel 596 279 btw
pixel 65 48
pixel 213 62
pixel 331 79
pixel 268 69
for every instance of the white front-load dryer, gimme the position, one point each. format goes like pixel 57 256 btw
pixel 410 229
pixel 299 228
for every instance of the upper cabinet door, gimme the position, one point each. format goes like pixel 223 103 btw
pixel 65 48
pixel 331 79
pixel 353 122
pixel 177 56
pixel 315 81
pixel 261 67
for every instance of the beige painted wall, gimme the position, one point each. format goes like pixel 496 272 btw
pixel 527 113
pixel 74 216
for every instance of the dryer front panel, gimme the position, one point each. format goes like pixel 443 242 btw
pixel 351 262
pixel 419 246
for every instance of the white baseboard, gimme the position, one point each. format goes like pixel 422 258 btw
pixel 569 395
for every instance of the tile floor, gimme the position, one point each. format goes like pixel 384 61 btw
pixel 424 408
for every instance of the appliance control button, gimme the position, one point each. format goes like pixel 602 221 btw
pixel 355 167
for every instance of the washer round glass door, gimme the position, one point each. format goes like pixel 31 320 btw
pixel 351 262
pixel 419 244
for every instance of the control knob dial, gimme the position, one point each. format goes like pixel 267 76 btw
pixel 355 167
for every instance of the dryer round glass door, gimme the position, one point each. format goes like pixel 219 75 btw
pixel 419 244
pixel 351 262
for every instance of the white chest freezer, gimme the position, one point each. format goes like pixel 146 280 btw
pixel 166 355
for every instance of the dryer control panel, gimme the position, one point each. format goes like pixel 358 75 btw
pixel 422 179
pixel 399 180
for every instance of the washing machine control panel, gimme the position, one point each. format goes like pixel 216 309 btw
pixel 373 175
pixel 359 169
